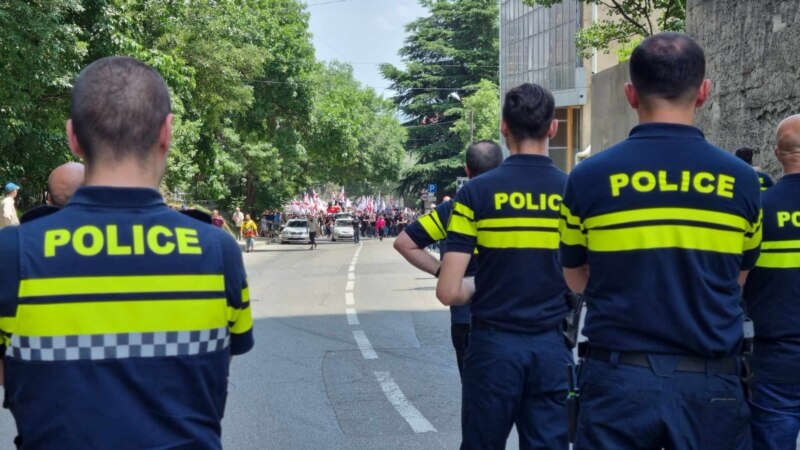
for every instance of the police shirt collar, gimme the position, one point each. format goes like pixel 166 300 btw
pixel 528 160
pixel 666 130
pixel 792 177
pixel 116 197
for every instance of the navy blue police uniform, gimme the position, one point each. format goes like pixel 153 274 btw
pixel 516 358
pixel 665 222
pixel 119 317
pixel 771 295
pixel 765 180
pixel 432 228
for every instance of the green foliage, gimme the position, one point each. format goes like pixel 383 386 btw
pixel 484 108
pixel 256 117
pixel 630 21
pixel 450 50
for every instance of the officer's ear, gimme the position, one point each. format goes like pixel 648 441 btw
pixel 553 130
pixel 631 95
pixel 504 129
pixel 73 143
pixel 165 135
pixel 703 93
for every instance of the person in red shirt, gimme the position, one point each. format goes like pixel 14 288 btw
pixel 380 225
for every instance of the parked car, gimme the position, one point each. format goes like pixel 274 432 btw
pixel 342 229
pixel 296 230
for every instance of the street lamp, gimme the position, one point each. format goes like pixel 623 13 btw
pixel 454 95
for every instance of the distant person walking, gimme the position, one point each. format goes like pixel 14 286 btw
pixel 216 219
pixel 238 220
pixel 313 225
pixel 9 210
pixel 380 225
pixel 250 230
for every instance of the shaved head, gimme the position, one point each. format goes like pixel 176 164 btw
pixel 64 180
pixel 789 135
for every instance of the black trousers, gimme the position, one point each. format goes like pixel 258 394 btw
pixel 312 236
pixel 459 334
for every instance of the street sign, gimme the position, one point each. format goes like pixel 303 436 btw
pixel 431 198
pixel 431 188
pixel 424 197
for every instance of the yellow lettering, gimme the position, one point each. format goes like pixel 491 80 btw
pixel 796 218
pixel 664 184
pixel 79 240
pixel 499 199
pixel 702 188
pixel 517 200
pixel 618 181
pixel 114 248
pixel 783 217
pixel 644 181
pixel 53 239
pixel 138 240
pixel 554 202
pixel 153 243
pixel 725 186
pixel 187 241
pixel 686 179
pixel 531 206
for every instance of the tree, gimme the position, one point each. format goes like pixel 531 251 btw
pixel 484 107
pixel 630 22
pixel 451 49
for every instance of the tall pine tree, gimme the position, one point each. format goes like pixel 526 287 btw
pixel 450 50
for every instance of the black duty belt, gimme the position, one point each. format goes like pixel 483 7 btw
pixel 477 323
pixel 729 366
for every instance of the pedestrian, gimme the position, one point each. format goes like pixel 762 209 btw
pixel 145 363
pixel 264 224
pixel 482 156
pixel 217 219
pixel 9 210
pixel 238 220
pixel 746 155
pixel 313 224
pixel 249 230
pixel 771 294
pixel 62 183
pixel 516 359
pixel 380 226
pixel 658 231
pixel 356 229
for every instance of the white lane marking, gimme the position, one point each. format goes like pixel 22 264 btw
pixel 415 419
pixel 351 276
pixel 349 299
pixel 352 317
pixel 350 285
pixel 364 345
pixel 352 268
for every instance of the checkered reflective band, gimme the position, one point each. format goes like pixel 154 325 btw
pixel 117 346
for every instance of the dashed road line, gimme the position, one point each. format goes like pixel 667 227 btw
pixel 364 345
pixel 349 299
pixel 415 419
pixel 352 317
pixel 350 285
pixel 351 276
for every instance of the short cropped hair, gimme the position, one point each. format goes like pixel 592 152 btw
pixel 528 111
pixel 669 66
pixel 745 154
pixel 483 156
pixel 118 108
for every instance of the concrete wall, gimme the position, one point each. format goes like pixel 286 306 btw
pixel 612 117
pixel 753 57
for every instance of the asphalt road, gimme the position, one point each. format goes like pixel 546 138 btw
pixel 352 352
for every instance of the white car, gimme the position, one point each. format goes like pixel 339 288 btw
pixel 296 230
pixel 342 229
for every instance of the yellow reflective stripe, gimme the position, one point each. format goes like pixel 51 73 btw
pixel 787 260
pixel 462 225
pixel 464 210
pixel 512 222
pixel 665 236
pixel 518 239
pixel 567 223
pixel 570 218
pixel 431 227
pixel 754 241
pixel 780 245
pixel 64 319
pixel 640 215
pixel 246 295
pixel 120 285
pixel 242 320
pixel 435 216
pixel 7 324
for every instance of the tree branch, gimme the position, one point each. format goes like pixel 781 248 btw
pixel 627 18
pixel 647 12
pixel 667 12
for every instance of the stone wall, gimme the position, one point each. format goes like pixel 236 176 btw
pixel 753 57
pixel 612 116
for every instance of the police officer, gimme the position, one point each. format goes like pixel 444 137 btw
pixel 746 155
pixel 656 231
pixel 515 366
pixel 771 295
pixel 118 315
pixel 481 157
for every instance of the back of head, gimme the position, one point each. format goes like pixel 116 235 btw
pixel 745 154
pixel 63 181
pixel 528 111
pixel 119 105
pixel 483 156
pixel 668 66
pixel 788 138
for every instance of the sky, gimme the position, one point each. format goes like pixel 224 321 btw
pixel 363 33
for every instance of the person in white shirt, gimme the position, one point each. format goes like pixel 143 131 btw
pixel 9 210
pixel 238 220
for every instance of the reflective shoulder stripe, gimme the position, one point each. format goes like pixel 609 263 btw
pixel 634 216
pixel 242 319
pixel 464 210
pixel 752 239
pixel 40 287
pixel 570 228
pixel 665 236
pixel 463 225
pixel 432 226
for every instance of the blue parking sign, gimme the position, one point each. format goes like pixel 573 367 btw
pixel 432 188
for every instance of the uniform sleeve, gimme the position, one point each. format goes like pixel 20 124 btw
pixel 240 318
pixel 752 236
pixel 9 284
pixel 462 231
pixel 428 229
pixel 573 248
